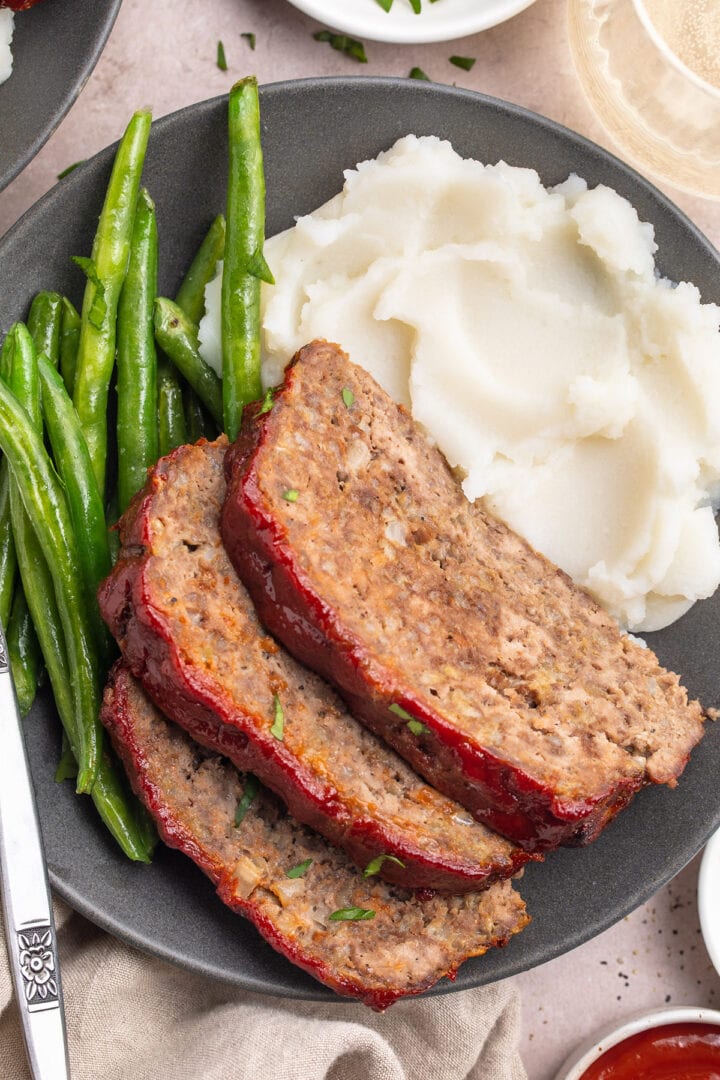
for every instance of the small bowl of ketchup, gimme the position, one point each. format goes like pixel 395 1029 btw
pixel 669 1044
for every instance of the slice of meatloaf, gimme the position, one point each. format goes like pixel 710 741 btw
pixel 499 680
pixel 188 630
pixel 404 947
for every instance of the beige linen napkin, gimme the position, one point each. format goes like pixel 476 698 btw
pixel 132 1017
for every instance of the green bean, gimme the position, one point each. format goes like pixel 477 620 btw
pixel 8 557
pixel 198 421
pixel 171 417
pixel 44 323
pixel 177 336
pixel 191 299
pixel 137 390
pixel 106 273
pixel 194 417
pixel 191 294
pixel 244 265
pixel 25 377
pixel 112 514
pixel 123 814
pixel 36 490
pixel 69 342
pixel 23 652
pixel 39 592
pixel 6 354
pixel 87 514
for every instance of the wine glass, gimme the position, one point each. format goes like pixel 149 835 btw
pixel 651 70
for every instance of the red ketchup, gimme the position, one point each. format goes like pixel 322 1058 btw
pixel 670 1052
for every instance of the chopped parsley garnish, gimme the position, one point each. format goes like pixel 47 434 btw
pixel 352 914
pixel 221 60
pixel 418 73
pixel 98 308
pixel 343 43
pixel 414 4
pixel 301 869
pixel 70 168
pixel 251 39
pixel 373 867
pixel 252 786
pixel 278 727
pixel 267 402
pixel 348 397
pixel 464 62
pixel 417 728
pixel 67 765
pixel 258 268
pixel 291 495
pixel 399 711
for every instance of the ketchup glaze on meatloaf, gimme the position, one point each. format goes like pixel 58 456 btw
pixel 497 678
pixel 188 630
pixel 403 947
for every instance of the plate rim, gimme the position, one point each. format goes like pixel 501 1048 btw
pixel 372 27
pixel 318 992
pixel 62 107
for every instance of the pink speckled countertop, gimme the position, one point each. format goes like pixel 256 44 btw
pixel 163 54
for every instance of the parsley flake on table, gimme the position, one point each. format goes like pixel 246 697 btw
pixel 300 870
pixel 221 60
pixel 70 168
pixel 352 914
pixel 418 73
pixel 373 867
pixel 467 63
pixel 251 40
pixel 343 43
pixel 278 728
pixel 252 786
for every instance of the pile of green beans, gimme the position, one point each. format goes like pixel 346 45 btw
pixel 58 373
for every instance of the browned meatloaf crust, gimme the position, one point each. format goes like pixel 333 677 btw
pixel 498 679
pixel 188 630
pixel 404 948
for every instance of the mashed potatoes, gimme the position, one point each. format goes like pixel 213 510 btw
pixel 6 33
pixel 577 394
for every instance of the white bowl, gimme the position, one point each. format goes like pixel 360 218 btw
pixel 440 21
pixel 709 899
pixel 589 1052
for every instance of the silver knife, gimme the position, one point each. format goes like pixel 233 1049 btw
pixel 29 924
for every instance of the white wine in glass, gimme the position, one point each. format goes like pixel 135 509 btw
pixel 651 70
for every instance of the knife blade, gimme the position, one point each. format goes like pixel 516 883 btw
pixel 27 907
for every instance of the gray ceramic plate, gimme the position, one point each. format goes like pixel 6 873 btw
pixel 55 47
pixel 313 130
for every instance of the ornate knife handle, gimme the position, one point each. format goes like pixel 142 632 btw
pixel 27 907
